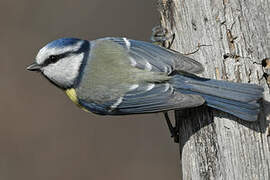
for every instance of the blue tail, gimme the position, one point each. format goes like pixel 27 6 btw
pixel 238 99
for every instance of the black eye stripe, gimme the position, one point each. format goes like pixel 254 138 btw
pixel 54 58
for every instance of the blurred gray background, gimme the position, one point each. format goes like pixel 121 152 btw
pixel 43 135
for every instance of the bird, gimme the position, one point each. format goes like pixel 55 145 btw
pixel 121 76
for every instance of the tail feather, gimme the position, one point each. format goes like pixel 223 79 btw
pixel 238 99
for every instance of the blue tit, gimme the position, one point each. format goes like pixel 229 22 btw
pixel 120 76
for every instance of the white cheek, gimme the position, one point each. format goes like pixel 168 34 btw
pixel 65 71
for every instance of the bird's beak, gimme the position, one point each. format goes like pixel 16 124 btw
pixel 33 67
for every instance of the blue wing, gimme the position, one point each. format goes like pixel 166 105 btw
pixel 146 98
pixel 161 59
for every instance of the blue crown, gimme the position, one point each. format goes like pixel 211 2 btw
pixel 63 42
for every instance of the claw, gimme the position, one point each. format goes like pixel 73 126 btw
pixel 160 35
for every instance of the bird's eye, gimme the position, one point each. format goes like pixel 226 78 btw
pixel 53 58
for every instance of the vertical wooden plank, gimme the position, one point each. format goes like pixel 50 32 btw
pixel 215 145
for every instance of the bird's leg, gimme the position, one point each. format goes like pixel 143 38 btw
pixel 173 130
pixel 161 35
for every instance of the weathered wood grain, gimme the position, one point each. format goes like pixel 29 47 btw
pixel 215 145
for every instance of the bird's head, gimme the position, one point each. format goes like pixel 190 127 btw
pixel 60 61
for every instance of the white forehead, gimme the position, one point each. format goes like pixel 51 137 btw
pixel 46 51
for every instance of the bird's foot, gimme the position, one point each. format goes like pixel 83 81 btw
pixel 161 36
pixel 174 130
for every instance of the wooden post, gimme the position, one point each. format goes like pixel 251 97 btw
pixel 215 145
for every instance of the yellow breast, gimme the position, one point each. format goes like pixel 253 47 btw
pixel 71 93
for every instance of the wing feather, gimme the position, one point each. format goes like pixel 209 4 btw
pixel 162 59
pixel 140 101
